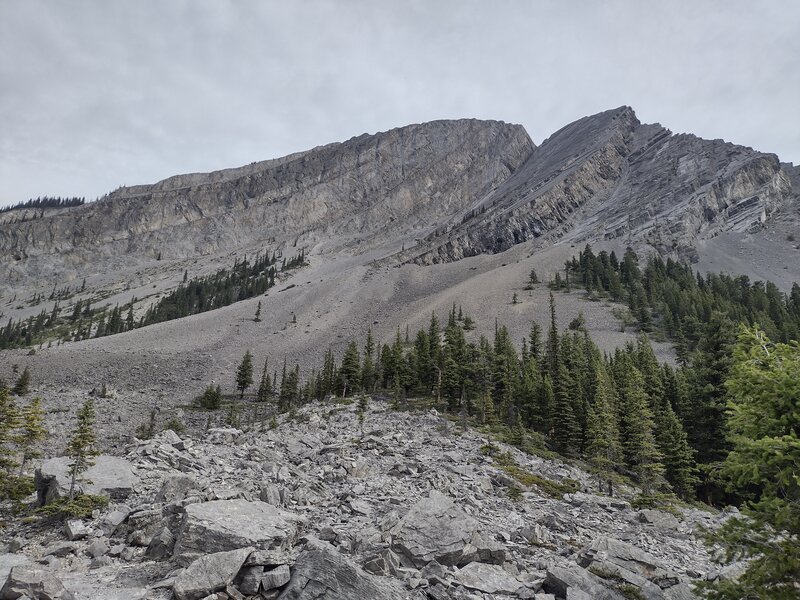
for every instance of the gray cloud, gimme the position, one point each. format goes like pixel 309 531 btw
pixel 95 95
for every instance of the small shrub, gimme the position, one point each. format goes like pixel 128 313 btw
pixel 514 493
pixel 210 399
pixel 80 507
pixel 16 489
pixel 176 425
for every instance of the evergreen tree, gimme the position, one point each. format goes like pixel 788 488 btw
pixel 565 432
pixel 679 463
pixel 32 431
pixel 350 371
pixel 265 386
pixel 257 317
pixel 764 420
pixel 636 428
pixel 603 447
pixel 244 373
pixel 81 446
pixel 368 368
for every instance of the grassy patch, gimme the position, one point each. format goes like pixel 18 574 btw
pixel 549 487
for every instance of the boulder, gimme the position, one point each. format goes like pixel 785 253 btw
pixel 275 578
pixel 223 525
pixel 483 577
pixel 322 572
pixel 161 545
pixel 29 582
pixel 9 561
pixel 433 529
pixel 659 518
pixel 563 583
pixel 76 530
pixel 109 476
pixel 248 581
pixel 208 574
pixel 606 553
pixel 175 487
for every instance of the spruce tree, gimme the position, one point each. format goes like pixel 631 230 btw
pixel 257 317
pixel 32 431
pixel 350 371
pixel 603 448
pixel 636 428
pixel 265 386
pixel 81 446
pixel 764 420
pixel 565 429
pixel 368 368
pixel 244 373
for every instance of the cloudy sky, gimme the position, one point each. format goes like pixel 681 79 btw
pixel 97 94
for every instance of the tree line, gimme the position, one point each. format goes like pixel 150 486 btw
pixel 45 202
pixel 246 279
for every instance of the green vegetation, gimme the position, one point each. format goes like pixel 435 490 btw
pixel 79 506
pixel 81 446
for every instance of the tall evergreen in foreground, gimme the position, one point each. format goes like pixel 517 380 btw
pixel 244 373
pixel 764 431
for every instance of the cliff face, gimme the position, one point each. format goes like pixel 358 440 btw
pixel 609 176
pixel 459 188
pixel 367 188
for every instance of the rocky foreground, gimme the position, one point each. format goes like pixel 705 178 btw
pixel 411 508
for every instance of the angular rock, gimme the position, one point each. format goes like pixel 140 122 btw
pixel 560 581
pixel 433 529
pixel 491 579
pixel 112 520
pixel 9 561
pixel 322 572
pixel 29 582
pixel 208 574
pixel 275 578
pixel 223 525
pixel 248 580
pixel 109 476
pixel 175 487
pixel 97 548
pixel 659 518
pixel 161 545
pixel 629 558
pixel 76 530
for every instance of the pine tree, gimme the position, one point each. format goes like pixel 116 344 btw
pixel 32 431
pixel 257 317
pixel 265 386
pixel 679 463
pixel 764 420
pixel 350 371
pixel 244 374
pixel 363 406
pixel 81 446
pixel 22 386
pixel 636 428
pixel 603 448
pixel 368 368
pixel 565 430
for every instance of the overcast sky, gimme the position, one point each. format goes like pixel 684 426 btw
pixel 97 94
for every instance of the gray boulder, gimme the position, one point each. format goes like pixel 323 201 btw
pixel 275 578
pixel 109 476
pixel 223 525
pixel 659 518
pixel 161 545
pixel 492 579
pixel 434 529
pixel 322 572
pixel 208 574
pixel 563 583
pixel 626 562
pixel 29 582
pixel 175 487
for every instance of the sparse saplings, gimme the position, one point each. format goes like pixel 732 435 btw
pixel 31 432
pixel 81 446
pixel 244 374
pixel 9 418
pixel 22 386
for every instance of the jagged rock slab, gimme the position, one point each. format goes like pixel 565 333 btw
pixel 228 524
pixel 433 529
pixel 560 581
pixel 30 582
pixel 605 551
pixel 492 579
pixel 109 476
pixel 322 572
pixel 210 573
